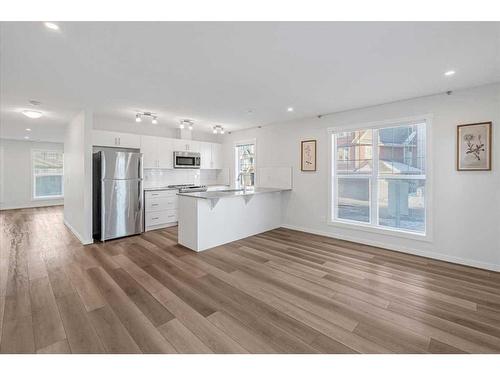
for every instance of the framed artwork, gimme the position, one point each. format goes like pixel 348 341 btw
pixel 474 147
pixel 308 156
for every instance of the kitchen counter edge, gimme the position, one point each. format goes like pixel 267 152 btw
pixel 231 194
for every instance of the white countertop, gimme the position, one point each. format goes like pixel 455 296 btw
pixel 159 188
pixel 154 188
pixel 231 193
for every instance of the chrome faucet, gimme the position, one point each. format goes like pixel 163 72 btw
pixel 242 180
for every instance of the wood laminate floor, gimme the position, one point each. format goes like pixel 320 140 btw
pixel 278 292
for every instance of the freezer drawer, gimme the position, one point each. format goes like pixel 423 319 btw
pixel 161 217
pixel 122 211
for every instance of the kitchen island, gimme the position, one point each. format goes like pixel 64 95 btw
pixel 213 218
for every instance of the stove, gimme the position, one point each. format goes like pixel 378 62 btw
pixel 180 186
pixel 189 188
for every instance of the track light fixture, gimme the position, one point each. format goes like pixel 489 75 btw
pixel 186 123
pixel 152 116
pixel 217 129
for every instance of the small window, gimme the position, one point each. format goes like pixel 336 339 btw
pixel 47 174
pixel 245 164
pixel 379 177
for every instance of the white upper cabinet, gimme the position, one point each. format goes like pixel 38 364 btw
pixel 195 146
pixel 182 145
pixel 166 153
pixel 104 138
pixel 216 149
pixel 129 140
pixel 206 155
pixel 115 139
pixel 149 149
pixel 158 151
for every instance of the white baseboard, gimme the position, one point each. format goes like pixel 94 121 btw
pixel 33 204
pixel 78 235
pixel 402 249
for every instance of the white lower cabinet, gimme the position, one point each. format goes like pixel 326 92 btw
pixel 160 209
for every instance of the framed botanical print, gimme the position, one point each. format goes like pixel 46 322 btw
pixel 308 156
pixel 474 147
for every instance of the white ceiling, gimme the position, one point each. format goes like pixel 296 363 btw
pixel 215 72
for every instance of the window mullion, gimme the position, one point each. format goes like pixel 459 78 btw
pixel 333 192
pixel 374 180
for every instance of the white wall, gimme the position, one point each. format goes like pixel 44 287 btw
pixel 16 182
pixel 466 205
pixel 78 176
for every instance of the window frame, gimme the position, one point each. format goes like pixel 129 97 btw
pixel 33 178
pixel 236 164
pixel 371 227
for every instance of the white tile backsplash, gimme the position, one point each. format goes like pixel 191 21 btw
pixel 164 177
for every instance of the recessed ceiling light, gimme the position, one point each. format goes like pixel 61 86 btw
pixel 28 129
pixel 32 114
pixel 290 109
pixel 51 25
pixel 449 73
pixel 26 137
pixel 138 118
pixel 154 121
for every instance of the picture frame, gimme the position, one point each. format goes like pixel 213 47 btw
pixel 308 156
pixel 474 144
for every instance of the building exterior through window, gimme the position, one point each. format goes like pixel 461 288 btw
pixel 379 177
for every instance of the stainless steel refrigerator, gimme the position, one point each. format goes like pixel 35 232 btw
pixel 117 194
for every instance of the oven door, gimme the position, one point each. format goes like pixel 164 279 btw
pixel 185 162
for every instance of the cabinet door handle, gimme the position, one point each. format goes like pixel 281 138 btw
pixel 171 215
pixel 155 218
pixel 119 141
pixel 154 204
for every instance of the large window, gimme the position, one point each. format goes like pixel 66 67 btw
pixel 245 164
pixel 47 174
pixel 379 177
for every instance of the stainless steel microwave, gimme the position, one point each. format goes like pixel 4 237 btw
pixel 187 160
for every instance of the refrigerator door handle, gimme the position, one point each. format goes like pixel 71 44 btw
pixel 139 198
pixel 103 207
